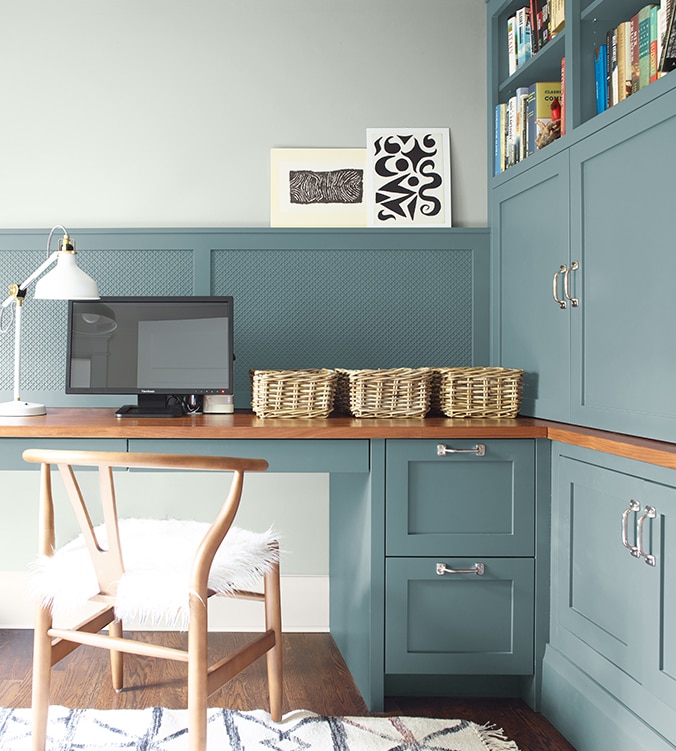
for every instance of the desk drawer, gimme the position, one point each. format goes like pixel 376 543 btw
pixel 463 504
pixel 459 623
pixel 312 455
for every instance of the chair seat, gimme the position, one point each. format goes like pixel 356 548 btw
pixel 158 556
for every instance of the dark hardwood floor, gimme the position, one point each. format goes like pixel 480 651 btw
pixel 315 678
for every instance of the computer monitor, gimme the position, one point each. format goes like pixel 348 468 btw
pixel 168 351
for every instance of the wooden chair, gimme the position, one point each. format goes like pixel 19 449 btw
pixel 212 571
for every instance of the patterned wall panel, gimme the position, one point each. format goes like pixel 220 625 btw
pixel 43 332
pixel 346 308
pixel 303 298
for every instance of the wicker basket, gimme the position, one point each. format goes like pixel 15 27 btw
pixel 397 392
pixel 293 393
pixel 479 392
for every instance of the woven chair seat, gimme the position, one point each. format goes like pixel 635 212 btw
pixel 158 557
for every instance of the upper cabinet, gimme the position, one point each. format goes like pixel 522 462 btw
pixel 570 60
pixel 581 244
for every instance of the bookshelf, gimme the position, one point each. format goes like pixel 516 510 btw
pixel 586 25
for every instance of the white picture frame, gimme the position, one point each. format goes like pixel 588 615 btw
pixel 318 187
pixel 409 177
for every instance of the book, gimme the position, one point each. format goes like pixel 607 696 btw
pixel 601 78
pixel 534 33
pixel 611 44
pixel 541 128
pixel 543 23
pixel 521 134
pixel 635 71
pixel 663 15
pixel 557 16
pixel 523 48
pixel 653 43
pixel 511 45
pixel 510 136
pixel 623 60
pixel 668 58
pixel 563 96
pixel 644 45
pixel 500 116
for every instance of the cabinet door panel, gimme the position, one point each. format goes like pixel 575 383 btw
pixel 597 580
pixel 530 236
pixel 459 623
pixel 622 211
pixel 460 504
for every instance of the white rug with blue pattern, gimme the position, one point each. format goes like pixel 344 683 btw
pixel 160 729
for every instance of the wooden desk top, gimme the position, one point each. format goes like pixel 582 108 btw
pixel 102 423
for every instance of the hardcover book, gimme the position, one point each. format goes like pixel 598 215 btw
pixel 541 127
pixel 601 77
pixel 668 58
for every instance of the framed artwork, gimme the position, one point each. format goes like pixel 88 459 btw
pixel 409 177
pixel 317 188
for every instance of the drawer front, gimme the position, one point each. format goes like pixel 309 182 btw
pixel 463 503
pixel 459 623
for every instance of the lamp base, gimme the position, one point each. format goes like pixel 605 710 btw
pixel 18 408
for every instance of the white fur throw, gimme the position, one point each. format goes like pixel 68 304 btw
pixel 157 557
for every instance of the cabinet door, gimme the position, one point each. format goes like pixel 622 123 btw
pixel 467 503
pixel 459 623
pixel 530 236
pixel 622 205
pixel 601 593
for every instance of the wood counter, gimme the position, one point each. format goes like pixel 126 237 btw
pixel 102 423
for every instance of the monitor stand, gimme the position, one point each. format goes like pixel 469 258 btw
pixel 150 405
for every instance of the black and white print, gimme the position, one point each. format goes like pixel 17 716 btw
pixel 409 177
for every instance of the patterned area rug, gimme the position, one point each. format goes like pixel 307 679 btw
pixel 161 729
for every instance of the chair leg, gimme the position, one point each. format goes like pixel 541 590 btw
pixel 116 658
pixel 273 621
pixel 42 668
pixel 197 674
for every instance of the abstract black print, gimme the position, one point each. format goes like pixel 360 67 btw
pixel 318 187
pixel 332 186
pixel 410 173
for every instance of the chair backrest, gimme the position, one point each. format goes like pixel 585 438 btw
pixel 108 561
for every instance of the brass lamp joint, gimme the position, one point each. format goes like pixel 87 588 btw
pixel 66 245
pixel 17 293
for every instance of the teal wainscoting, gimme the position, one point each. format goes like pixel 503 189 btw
pixel 356 298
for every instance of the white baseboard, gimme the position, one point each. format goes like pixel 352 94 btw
pixel 305 606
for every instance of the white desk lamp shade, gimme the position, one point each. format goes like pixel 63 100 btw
pixel 66 281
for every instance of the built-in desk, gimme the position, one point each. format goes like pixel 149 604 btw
pixel 356 452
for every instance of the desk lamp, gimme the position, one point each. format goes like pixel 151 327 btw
pixel 64 282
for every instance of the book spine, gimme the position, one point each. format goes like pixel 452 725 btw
pixel 621 62
pixel 635 69
pixel 668 58
pixel 612 67
pixel 523 51
pixel 521 123
pixel 653 44
pixel 534 32
pixel 563 96
pixel 557 16
pixel 601 78
pixel 543 23
pixel 644 46
pixel 511 44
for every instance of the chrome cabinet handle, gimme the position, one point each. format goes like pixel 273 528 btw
pixel 478 569
pixel 574 266
pixel 555 286
pixel 648 513
pixel 633 507
pixel 478 450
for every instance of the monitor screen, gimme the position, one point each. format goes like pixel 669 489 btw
pixel 165 350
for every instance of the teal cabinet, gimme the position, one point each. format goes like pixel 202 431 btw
pixel 472 623
pixel 613 619
pixel 466 498
pixel 460 560
pixel 621 229
pixel 531 263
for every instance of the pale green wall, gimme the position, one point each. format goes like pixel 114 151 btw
pixel 163 112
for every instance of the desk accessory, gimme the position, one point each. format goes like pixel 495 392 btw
pixel 65 282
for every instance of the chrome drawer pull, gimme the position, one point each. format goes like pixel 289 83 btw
pixel 478 450
pixel 478 569
pixel 633 507
pixel 574 266
pixel 555 286
pixel 648 513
